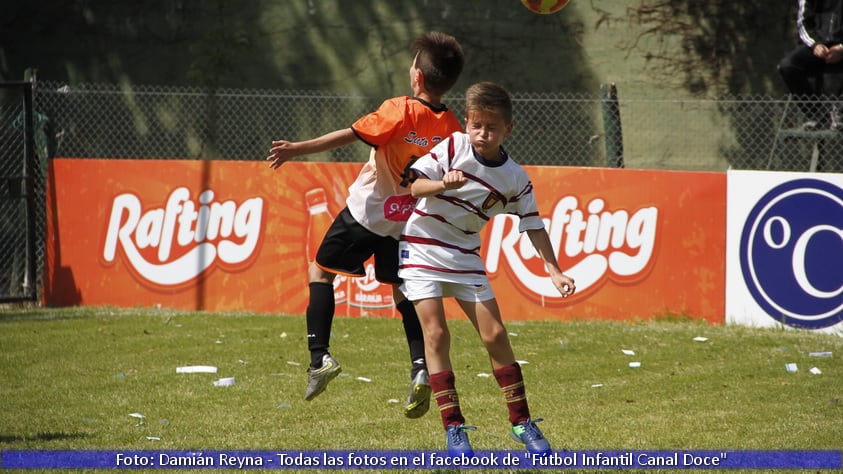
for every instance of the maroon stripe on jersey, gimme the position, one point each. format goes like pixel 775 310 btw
pixel 488 186
pixel 527 190
pixel 467 205
pixel 451 152
pixel 443 220
pixel 438 243
pixel 442 269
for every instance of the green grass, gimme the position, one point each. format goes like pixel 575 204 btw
pixel 72 377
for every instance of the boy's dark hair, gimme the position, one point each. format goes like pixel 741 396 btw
pixel 440 58
pixel 489 97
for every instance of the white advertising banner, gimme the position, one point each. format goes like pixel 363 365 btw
pixel 784 250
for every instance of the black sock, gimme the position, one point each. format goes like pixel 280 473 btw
pixel 320 317
pixel 415 337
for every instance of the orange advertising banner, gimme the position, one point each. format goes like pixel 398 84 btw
pixel 237 236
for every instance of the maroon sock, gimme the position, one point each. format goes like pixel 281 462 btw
pixel 512 385
pixel 445 393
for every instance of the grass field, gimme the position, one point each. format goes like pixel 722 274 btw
pixel 72 378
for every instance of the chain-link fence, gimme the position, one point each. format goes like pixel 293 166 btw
pixel 105 121
pixel 22 195
pixel 110 121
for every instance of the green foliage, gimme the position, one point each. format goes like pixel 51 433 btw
pixel 72 377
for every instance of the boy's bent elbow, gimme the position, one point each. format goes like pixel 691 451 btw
pixel 414 191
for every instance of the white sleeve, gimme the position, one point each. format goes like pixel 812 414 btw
pixel 432 165
pixel 526 207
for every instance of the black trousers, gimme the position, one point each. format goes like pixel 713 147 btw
pixel 802 72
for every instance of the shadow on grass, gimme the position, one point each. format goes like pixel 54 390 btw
pixel 25 312
pixel 5 439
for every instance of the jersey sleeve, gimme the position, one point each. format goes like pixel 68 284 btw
pixel 526 207
pixel 378 127
pixel 432 165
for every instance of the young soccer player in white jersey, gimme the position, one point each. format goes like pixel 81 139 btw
pixel 461 184
pixel 378 204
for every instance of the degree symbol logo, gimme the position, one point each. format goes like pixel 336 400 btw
pixel 791 253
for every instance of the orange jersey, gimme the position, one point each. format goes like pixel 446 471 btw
pixel 400 131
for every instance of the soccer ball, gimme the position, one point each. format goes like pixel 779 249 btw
pixel 545 7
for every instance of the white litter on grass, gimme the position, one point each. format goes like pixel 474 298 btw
pixel 393 400
pixel 364 379
pixel 820 354
pixel 700 339
pixel 628 352
pixel 596 385
pixel 140 418
pixel 484 375
pixel 196 369
pixel 791 367
pixel 283 334
pixel 513 334
pixel 522 362
pixel 815 371
pixel 635 365
pixel 292 362
pixel 224 382
pixel 153 438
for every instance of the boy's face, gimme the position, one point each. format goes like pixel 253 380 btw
pixel 487 130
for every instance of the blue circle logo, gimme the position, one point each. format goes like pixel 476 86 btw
pixel 792 253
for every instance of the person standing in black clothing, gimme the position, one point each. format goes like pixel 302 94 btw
pixel 820 28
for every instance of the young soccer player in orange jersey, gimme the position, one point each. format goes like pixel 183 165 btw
pixel 399 131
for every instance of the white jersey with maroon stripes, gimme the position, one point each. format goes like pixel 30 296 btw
pixel 441 240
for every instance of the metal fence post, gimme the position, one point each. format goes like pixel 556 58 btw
pixel 19 275
pixel 612 125
pixel 30 284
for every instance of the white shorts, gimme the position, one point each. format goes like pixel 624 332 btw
pixel 422 289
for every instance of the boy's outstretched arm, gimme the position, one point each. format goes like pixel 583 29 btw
pixel 283 151
pixel 541 241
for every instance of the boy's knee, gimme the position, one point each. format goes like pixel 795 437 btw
pixel 495 337
pixel 785 67
pixel 318 275
pixel 436 336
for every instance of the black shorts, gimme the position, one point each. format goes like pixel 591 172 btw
pixel 347 245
